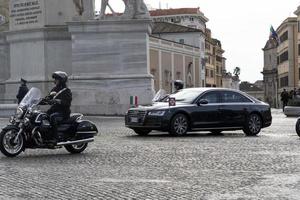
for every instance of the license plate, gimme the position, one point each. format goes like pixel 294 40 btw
pixel 134 119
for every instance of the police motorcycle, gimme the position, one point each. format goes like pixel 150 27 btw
pixel 31 128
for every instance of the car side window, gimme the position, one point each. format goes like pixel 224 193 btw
pixel 211 97
pixel 233 97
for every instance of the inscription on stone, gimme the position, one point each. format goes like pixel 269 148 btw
pixel 25 14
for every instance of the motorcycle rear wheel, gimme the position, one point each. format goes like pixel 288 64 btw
pixel 8 146
pixel 76 148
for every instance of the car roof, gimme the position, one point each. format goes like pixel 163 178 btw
pixel 203 89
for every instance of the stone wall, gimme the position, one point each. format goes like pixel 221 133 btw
pixel 4 64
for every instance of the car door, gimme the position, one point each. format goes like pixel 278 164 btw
pixel 206 115
pixel 233 108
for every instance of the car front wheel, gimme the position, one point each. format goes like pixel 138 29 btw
pixel 179 125
pixel 253 125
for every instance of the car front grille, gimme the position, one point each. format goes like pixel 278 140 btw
pixel 136 114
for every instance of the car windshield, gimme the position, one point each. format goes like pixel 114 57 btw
pixel 186 96
pixel 32 97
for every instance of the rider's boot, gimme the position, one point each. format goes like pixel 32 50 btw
pixel 59 137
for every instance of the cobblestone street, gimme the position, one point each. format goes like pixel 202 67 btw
pixel 122 165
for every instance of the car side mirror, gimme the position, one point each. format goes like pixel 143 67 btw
pixel 202 102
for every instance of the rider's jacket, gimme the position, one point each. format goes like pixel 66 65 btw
pixel 64 97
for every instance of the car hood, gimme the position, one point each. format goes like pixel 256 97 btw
pixel 161 106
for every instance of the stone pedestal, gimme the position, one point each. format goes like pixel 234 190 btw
pixel 35 54
pixel 110 63
pixel 28 14
pixel 4 64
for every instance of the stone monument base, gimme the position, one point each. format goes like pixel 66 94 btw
pixel 34 55
pixel 109 95
pixel 110 63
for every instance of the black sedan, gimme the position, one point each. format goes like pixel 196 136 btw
pixel 201 109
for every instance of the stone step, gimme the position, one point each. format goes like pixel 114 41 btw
pixel 7 110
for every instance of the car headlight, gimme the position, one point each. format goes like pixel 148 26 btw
pixel 19 113
pixel 157 113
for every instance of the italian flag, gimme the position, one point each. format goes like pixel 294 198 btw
pixel 133 101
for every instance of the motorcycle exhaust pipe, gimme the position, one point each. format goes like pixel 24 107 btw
pixel 75 142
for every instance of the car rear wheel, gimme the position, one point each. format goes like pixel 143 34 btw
pixel 179 125
pixel 142 132
pixel 253 125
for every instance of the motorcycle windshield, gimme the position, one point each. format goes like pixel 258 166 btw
pixel 159 95
pixel 31 98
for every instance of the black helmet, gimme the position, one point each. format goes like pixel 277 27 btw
pixel 61 76
pixel 178 84
pixel 23 80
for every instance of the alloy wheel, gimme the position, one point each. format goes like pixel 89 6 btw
pixel 9 143
pixel 180 125
pixel 253 125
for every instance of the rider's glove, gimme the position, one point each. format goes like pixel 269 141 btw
pixel 54 101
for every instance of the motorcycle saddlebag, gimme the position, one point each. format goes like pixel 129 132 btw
pixel 86 129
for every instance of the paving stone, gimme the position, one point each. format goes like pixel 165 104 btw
pixel 122 165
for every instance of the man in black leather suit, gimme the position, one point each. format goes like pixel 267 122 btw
pixel 60 101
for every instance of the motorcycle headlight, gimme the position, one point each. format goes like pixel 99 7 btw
pixel 12 119
pixel 157 113
pixel 19 113
pixel 26 121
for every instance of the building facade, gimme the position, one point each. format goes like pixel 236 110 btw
pixel 190 17
pixel 172 59
pixel 270 76
pixel 287 55
pixel 215 62
pixel 282 60
pixel 210 49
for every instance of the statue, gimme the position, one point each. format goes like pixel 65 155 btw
pixel 85 8
pixel 237 71
pixel 134 9
pixel 141 10
pixel 79 6
pixel 104 5
pixel 4 15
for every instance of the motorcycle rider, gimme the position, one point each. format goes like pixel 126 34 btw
pixel 60 99
pixel 178 84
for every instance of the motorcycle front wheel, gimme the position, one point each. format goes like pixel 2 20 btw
pixel 298 127
pixel 9 145
pixel 76 148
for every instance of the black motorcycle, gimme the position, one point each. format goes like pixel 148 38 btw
pixel 31 128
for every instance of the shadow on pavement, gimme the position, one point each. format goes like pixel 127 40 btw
pixel 192 135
